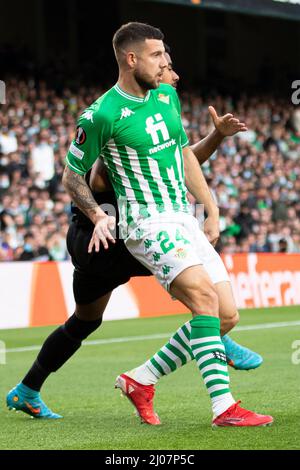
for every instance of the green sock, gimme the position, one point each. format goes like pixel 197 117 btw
pixel 174 354
pixel 209 353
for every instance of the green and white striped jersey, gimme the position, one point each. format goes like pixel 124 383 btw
pixel 140 141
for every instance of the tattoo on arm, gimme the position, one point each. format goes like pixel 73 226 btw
pixel 80 193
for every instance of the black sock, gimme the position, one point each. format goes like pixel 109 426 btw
pixel 57 349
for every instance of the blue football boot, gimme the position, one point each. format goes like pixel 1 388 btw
pixel 239 357
pixel 23 398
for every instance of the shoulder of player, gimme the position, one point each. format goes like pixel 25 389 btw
pixel 100 111
pixel 166 90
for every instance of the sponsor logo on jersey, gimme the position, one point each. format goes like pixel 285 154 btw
pixel 164 98
pixel 164 146
pixel 126 112
pixel 157 127
pixel 89 116
pixel 80 137
pixel 76 152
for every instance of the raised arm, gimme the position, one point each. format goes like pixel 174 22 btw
pixel 226 125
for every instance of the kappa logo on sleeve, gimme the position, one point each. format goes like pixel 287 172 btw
pixel 80 137
pixel 89 116
pixel 76 152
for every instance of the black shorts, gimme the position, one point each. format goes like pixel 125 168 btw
pixel 96 274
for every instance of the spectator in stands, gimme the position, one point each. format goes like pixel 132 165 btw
pixel 42 160
pixel 8 141
pixel 282 246
pixel 33 250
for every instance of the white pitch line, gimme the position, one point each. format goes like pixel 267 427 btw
pixel 262 326
pixel 266 326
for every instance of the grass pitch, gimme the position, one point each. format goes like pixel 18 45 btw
pixel 95 417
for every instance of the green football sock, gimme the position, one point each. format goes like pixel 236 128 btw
pixel 209 353
pixel 174 354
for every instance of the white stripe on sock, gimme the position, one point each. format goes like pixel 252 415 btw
pixel 214 367
pixel 221 403
pixel 162 364
pixel 215 388
pixel 172 356
pixel 216 377
pixel 153 369
pixel 218 346
pixel 184 338
pixel 178 346
pixel 205 358
pixel 206 339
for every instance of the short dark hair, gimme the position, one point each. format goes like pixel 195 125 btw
pixel 134 32
pixel 28 235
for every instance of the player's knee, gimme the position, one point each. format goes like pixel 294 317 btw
pixel 236 317
pixel 198 293
pixel 206 302
pixel 233 320
pixel 94 310
pixel 78 329
pixel 87 313
pixel 230 320
pixel 91 317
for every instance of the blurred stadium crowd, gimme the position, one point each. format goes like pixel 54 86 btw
pixel 254 175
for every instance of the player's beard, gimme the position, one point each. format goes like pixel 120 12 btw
pixel 144 83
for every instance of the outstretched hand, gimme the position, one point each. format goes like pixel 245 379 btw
pixel 102 233
pixel 227 125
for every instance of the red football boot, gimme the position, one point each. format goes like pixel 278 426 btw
pixel 237 416
pixel 141 396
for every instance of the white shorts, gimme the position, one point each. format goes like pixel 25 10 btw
pixel 169 244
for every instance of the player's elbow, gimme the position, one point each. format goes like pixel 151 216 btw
pixel 66 178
